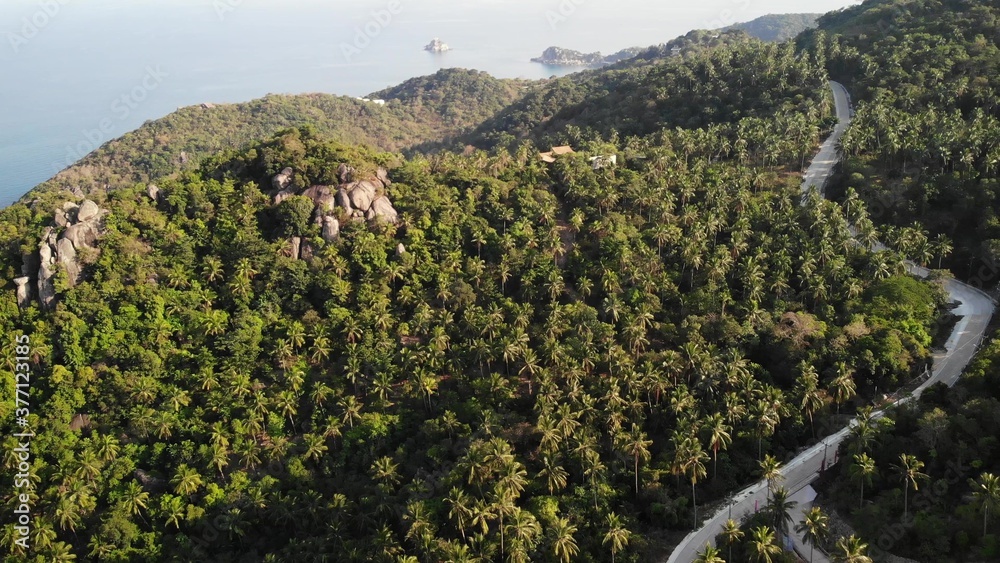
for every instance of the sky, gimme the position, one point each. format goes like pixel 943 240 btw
pixel 671 17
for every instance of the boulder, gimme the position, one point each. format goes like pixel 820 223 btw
pixel 282 196
pixel 383 210
pixel 400 249
pixel 331 229
pixel 66 255
pixel 344 200
pixel 69 206
pixel 23 284
pixel 296 247
pixel 307 252
pixel 45 253
pixel 322 197
pixel 363 194
pixel 88 210
pixel 149 482
pixel 153 191
pixel 46 287
pixel 82 235
pixel 383 176
pixel 344 173
pixel 61 219
pixel 283 179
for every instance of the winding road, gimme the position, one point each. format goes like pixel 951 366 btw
pixel 976 309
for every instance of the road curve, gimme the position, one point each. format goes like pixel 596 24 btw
pixel 976 309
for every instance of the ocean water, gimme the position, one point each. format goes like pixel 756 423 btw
pixel 77 73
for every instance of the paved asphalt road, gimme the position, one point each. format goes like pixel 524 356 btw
pixel 976 309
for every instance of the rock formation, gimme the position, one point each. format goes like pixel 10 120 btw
pixel 283 179
pixel 77 227
pixel 24 295
pixel 357 200
pixel 331 228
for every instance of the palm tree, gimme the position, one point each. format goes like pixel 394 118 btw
pixel 812 397
pixel 843 386
pixel 781 508
pixel 524 530
pixel 694 467
pixel 815 528
pixel 186 481
pixel 134 499
pixel 862 471
pixel 637 446
pixel 385 472
pixel 762 546
pixel 461 509
pixel 909 471
pixel 554 474
pixel 563 544
pixel 617 536
pixel 987 494
pixel 720 438
pixel 709 555
pixel 733 534
pixel 851 550
pixel 770 470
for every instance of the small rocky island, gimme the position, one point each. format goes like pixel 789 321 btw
pixel 557 56
pixel 437 46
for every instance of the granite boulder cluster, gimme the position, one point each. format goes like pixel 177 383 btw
pixel 352 200
pixel 76 230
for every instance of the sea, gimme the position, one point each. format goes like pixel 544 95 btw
pixel 75 74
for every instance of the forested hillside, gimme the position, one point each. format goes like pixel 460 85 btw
pixel 421 110
pixel 728 78
pixel 778 27
pixel 302 329
pixel 921 482
pixel 533 362
pixel 926 142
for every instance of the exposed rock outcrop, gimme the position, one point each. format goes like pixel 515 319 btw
pixel 283 179
pixel 383 210
pixel 322 196
pixel 88 210
pixel 354 200
pixel 363 194
pixel 345 173
pixel 153 191
pixel 24 293
pixel 331 228
pixel 80 227
pixel 400 249
pixel 344 200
